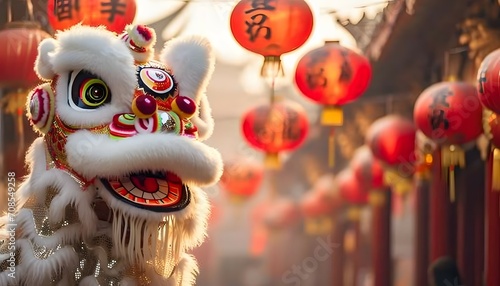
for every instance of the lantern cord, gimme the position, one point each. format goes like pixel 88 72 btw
pixel 29 5
pixel 451 179
pixel 272 99
pixel 331 148
pixel 9 11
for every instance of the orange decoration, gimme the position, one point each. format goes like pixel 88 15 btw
pixel 114 14
pixel 271 28
pixel 18 53
pixel 280 126
pixel 242 178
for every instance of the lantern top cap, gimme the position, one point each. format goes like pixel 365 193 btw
pixel 332 42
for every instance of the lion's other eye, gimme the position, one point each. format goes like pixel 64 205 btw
pixel 87 91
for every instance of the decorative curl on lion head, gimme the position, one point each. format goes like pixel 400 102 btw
pixel 113 196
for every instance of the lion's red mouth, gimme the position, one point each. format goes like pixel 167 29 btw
pixel 156 191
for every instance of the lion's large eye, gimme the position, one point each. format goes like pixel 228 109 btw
pixel 87 91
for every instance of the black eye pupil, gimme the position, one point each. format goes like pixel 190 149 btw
pixel 96 93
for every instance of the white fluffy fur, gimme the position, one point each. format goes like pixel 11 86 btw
pixel 40 180
pixel 100 156
pixel 192 61
pixel 204 120
pixel 97 51
pixel 43 67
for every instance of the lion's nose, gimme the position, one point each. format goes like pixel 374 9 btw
pixel 144 106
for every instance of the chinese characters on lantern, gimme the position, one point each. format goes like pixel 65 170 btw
pixel 277 127
pixel 438 106
pixel 345 68
pixel 63 9
pixel 256 27
pixel 315 76
pixel 67 9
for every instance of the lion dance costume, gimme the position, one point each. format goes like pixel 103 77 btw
pixel 113 195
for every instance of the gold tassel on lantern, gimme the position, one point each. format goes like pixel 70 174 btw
pixel 376 198
pixel 272 161
pixel 331 149
pixel 318 225
pixel 399 184
pixel 451 157
pixel 332 116
pixel 495 172
pixel 272 67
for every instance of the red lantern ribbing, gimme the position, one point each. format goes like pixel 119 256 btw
pixel 450 114
pixel 274 128
pixel 488 81
pixel 18 53
pixel 332 75
pixel 114 14
pixel 271 28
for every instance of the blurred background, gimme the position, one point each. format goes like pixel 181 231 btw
pixel 317 188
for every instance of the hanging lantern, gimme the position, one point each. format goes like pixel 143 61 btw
pixel 282 214
pixel 367 169
pixel 491 126
pixel 242 178
pixel 271 28
pixel 450 114
pixel 488 81
pixel 274 128
pixel 316 210
pixel 392 141
pixel 332 75
pixel 352 192
pixel 114 14
pixel 18 53
pixel 319 204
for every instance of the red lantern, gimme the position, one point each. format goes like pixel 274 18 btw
pixel 333 75
pixel 280 126
pixel 282 213
pixel 488 81
pixel 271 28
pixel 242 178
pixel 450 114
pixel 351 189
pixel 491 127
pixel 114 14
pixel 392 141
pixel 18 53
pixel 367 170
